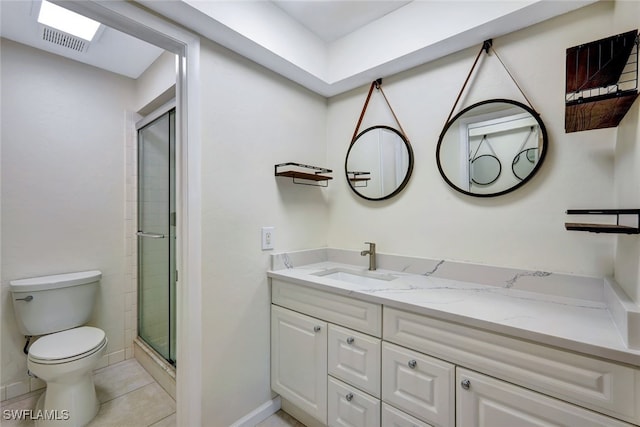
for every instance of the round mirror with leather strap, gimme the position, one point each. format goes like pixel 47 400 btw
pixel 471 165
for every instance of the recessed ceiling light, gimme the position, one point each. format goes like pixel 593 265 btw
pixel 65 20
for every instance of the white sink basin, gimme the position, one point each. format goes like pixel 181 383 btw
pixel 356 277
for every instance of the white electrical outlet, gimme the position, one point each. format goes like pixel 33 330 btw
pixel 267 237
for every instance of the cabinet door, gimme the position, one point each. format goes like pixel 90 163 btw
pixel 486 401
pixel 299 360
pixel 350 407
pixel 355 359
pixel 418 384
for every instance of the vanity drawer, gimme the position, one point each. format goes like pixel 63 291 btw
pixel 392 417
pixel 355 358
pixel 355 314
pixel 351 407
pixel 486 401
pixel 418 384
pixel 606 387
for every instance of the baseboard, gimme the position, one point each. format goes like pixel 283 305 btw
pixel 259 414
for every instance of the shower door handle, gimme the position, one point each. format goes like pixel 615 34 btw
pixel 150 235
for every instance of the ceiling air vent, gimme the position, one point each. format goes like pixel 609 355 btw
pixel 63 39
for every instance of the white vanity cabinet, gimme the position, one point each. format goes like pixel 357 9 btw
pixel 354 378
pixel 351 407
pixel 418 384
pixel 299 360
pixel 347 371
pixel 599 385
pixel 393 417
pixel 355 359
pixel 340 362
pixel 486 401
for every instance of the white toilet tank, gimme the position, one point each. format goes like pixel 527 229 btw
pixel 48 304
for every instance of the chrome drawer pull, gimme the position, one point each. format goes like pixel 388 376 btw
pixel 412 364
pixel 349 397
pixel 350 340
pixel 316 328
pixel 465 384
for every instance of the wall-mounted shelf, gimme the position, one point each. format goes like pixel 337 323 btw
pixel 359 179
pixel 304 174
pixel 605 228
pixel 601 82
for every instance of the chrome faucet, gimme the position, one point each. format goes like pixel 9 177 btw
pixel 372 255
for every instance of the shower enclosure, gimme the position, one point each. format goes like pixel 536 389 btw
pixel 157 234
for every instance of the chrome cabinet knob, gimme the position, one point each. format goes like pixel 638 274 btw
pixel 349 397
pixel 465 384
pixel 316 328
pixel 350 340
pixel 412 364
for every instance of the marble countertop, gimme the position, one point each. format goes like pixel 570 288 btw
pixel 584 324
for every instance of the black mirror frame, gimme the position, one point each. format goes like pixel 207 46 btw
pixel 409 169
pixel 545 143
pixel 526 156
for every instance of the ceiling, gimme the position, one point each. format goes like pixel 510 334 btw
pixel 331 20
pixel 327 46
pixel 332 46
pixel 110 49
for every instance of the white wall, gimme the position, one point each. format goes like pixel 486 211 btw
pixel 523 229
pixel 156 85
pixel 252 119
pixel 627 175
pixel 63 180
pixel 627 260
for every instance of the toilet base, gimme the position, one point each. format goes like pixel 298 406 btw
pixel 68 405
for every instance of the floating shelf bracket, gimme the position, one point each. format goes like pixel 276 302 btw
pixel 605 228
pixel 304 174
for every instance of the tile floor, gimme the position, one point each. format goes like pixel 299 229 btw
pixel 129 397
pixel 280 419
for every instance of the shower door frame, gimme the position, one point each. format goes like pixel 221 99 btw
pixel 164 110
pixel 137 22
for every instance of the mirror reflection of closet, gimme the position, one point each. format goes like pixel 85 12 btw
pixel 378 163
pixel 482 138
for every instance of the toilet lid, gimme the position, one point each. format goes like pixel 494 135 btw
pixel 66 344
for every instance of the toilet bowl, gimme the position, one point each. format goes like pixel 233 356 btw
pixel 65 361
pixel 56 308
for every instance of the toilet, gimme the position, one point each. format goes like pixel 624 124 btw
pixel 56 308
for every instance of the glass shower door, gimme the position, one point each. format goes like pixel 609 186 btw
pixel 157 235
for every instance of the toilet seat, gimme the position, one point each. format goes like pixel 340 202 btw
pixel 67 346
